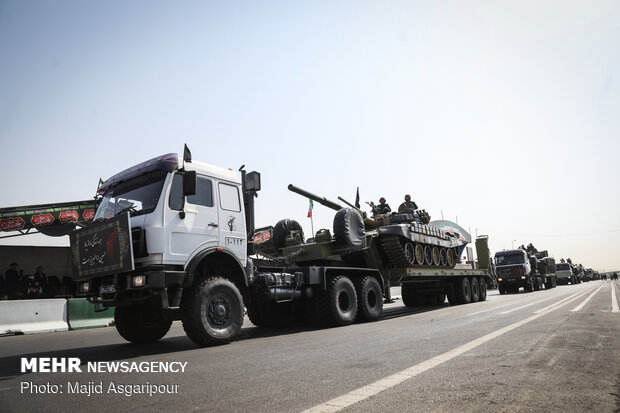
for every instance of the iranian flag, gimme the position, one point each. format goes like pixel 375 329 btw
pixel 310 209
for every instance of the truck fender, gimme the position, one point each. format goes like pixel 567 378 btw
pixel 238 275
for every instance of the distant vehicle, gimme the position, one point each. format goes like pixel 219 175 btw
pixel 564 272
pixel 527 268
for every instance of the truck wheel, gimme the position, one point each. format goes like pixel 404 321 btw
pixel 212 312
pixel 441 298
pixel 140 324
pixel 463 290
pixel 475 290
pixel 369 299
pixel 482 288
pixel 529 287
pixel 341 301
pixel 502 290
pixel 408 296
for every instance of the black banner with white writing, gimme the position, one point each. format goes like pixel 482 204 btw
pixel 103 248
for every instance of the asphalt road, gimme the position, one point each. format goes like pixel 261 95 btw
pixel 541 351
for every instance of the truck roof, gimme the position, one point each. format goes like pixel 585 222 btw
pixel 168 163
pixel 226 174
pixel 510 252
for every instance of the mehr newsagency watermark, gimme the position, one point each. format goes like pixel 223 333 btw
pixel 92 387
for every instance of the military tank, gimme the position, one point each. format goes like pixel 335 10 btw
pixel 397 240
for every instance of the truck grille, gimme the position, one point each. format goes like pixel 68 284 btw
pixel 138 239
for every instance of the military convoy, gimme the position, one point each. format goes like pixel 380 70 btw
pixel 524 267
pixel 175 239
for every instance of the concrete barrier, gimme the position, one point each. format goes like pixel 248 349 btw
pixel 81 314
pixel 33 316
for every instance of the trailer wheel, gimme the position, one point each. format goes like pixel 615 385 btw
pixel 140 324
pixel 369 299
pixel 341 301
pixel 529 287
pixel 482 288
pixel 463 291
pixel 475 289
pixel 408 296
pixel 212 312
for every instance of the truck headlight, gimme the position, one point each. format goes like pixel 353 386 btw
pixel 523 277
pixel 138 281
pixel 500 279
pixel 84 287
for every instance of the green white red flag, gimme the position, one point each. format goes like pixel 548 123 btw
pixel 310 209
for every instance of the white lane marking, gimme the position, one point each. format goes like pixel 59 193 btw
pixel 584 302
pixel 614 300
pixel 489 309
pixel 561 301
pixel 524 306
pixel 363 393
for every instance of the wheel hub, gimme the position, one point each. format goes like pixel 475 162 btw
pixel 218 311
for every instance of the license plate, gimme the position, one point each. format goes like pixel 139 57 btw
pixel 107 289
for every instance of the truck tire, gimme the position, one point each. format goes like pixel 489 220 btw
pixel 408 296
pixel 482 288
pixel 341 301
pixel 369 299
pixel 461 293
pixel 464 291
pixel 475 290
pixel 502 290
pixel 212 311
pixel 529 287
pixel 140 324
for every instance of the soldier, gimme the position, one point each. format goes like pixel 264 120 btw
pixel 408 206
pixel 382 208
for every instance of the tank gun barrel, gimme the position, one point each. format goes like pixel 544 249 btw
pixel 320 200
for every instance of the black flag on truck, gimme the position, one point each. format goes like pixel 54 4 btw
pixel 187 155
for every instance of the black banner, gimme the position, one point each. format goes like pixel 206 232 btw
pixel 103 248
pixel 48 215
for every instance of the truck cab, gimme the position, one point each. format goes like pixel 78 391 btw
pixel 513 270
pixel 564 273
pixel 186 225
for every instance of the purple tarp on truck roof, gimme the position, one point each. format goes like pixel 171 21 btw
pixel 163 163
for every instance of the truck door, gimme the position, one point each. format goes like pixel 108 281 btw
pixel 232 220
pixel 199 229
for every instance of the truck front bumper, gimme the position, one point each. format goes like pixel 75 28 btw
pixel 144 284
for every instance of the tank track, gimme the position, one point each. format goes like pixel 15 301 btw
pixel 394 251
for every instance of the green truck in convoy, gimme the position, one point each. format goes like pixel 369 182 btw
pixel 175 239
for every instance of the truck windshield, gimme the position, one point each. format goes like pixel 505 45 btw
pixel 137 200
pixel 562 267
pixel 509 259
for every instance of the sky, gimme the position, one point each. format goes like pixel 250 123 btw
pixel 502 116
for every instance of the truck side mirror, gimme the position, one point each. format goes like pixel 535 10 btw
pixel 189 183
